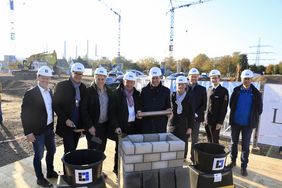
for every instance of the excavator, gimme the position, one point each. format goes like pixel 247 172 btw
pixel 34 62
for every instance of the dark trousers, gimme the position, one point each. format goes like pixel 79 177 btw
pixel 70 141
pixel 194 137
pixel 46 139
pixel 184 137
pixel 212 134
pixel 1 118
pixel 128 129
pixel 101 132
pixel 246 138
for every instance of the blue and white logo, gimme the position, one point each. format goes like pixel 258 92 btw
pixel 218 163
pixel 83 176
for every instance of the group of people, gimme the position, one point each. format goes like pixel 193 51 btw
pixel 105 113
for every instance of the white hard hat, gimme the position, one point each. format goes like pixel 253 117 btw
pixel 193 71
pixel 44 71
pixel 101 71
pixel 77 67
pixel 181 80
pixel 129 76
pixel 247 74
pixel 214 72
pixel 155 71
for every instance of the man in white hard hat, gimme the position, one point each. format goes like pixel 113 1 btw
pixel 126 104
pixel 217 103
pixel 246 108
pixel 199 95
pixel 96 107
pixel 155 97
pixel 182 121
pixel 37 119
pixel 67 105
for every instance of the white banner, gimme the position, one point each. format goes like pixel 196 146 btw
pixel 270 130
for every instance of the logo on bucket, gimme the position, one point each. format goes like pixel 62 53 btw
pixel 218 163
pixel 83 176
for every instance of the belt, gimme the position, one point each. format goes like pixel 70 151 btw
pixel 130 123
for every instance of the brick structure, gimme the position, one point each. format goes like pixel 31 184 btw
pixel 151 152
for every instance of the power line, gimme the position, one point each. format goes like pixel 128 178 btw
pixel 259 52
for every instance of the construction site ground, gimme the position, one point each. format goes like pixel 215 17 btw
pixel 16 153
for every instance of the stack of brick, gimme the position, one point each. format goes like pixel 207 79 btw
pixel 150 152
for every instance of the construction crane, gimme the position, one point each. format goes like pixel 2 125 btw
pixel 119 22
pixel 171 11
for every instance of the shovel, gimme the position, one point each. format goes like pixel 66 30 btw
pixel 94 138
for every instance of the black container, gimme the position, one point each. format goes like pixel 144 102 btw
pixel 83 167
pixel 210 157
pixel 200 179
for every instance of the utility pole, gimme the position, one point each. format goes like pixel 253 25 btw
pixel 172 9
pixel 119 23
pixel 259 52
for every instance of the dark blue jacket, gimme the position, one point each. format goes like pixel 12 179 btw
pixel 256 108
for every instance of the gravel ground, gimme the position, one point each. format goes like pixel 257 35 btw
pixel 13 145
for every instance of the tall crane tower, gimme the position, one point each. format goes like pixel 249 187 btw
pixel 172 9
pixel 119 22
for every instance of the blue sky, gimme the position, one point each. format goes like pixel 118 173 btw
pixel 216 28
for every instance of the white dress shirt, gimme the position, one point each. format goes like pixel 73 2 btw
pixel 48 103
pixel 131 112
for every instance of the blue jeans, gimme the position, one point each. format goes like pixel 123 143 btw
pixel 46 139
pixel 246 138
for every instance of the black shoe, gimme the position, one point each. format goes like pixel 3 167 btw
pixel 244 172
pixel 52 174
pixel 43 182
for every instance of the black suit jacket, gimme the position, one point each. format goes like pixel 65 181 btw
pixel 90 109
pixel 120 108
pixel 64 101
pixel 184 120
pixel 217 105
pixel 33 112
pixel 199 95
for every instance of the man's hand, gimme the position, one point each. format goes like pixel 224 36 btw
pixel 189 131
pixel 92 130
pixel 138 114
pixel 218 126
pixel 118 130
pixel 69 123
pixel 30 137
pixel 169 115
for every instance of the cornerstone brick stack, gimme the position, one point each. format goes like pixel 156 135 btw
pixel 151 152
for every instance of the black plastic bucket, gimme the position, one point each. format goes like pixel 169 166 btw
pixel 210 157
pixel 83 167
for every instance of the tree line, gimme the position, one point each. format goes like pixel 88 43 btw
pixel 228 65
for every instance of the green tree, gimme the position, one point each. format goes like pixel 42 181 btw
pixel 202 62
pixel 170 64
pixel 280 67
pixel 147 63
pixel 269 69
pixel 185 63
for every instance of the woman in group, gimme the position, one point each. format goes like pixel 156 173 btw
pixel 182 120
